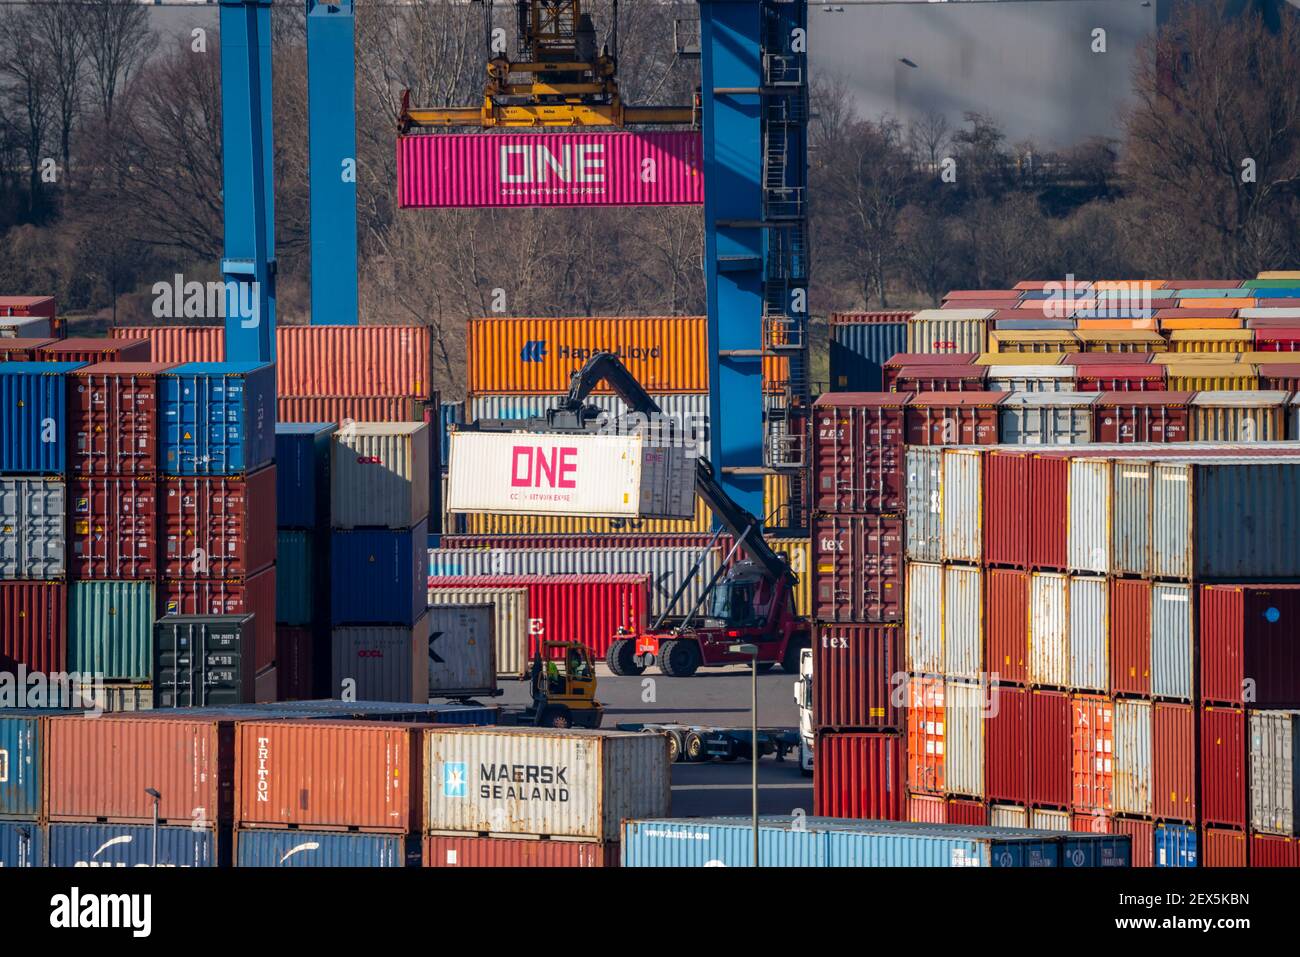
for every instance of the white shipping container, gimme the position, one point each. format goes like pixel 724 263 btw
pixel 1089 621
pixel 1130 513
pixel 379 475
pixel 924 618
pixel 1173 639
pixel 1005 378
pixel 963 622
pixel 1045 819
pixel 963 738
pixel 1274 775
pixel 462 656
pixel 1132 757
pixel 509 626
pixel 1008 815
pixel 948 330
pixel 600 476
pixel 23 327
pixel 1088 534
pixel 1049 630
pixel 381 662
pixel 540 782
pixel 962 511
pixel 33 520
pixel 924 503
pixel 1046 418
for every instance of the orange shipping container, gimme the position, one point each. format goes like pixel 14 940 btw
pixel 1093 748
pixel 925 735
pixel 361 774
pixel 359 408
pixel 1211 302
pixel 178 344
pixel 1199 322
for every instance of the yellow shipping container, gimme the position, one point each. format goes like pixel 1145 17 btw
pixel 1206 376
pixel 1032 340
pixel 1279 274
pixel 798 552
pixel 1239 416
pixel 948 330
pixel 1180 358
pixel 1019 358
pixel 1211 302
pixel 1120 340
pixel 1211 340
pixel 777 512
pixel 1200 322
pixel 1270 358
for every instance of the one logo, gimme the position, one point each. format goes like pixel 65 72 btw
pixel 534 350
pixel 455 779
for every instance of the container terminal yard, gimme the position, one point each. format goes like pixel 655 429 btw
pixel 983 564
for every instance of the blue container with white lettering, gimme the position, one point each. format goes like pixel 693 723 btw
pixel 22 844
pixel 266 847
pixel 1175 845
pixel 33 416
pixel 218 418
pixel 132 845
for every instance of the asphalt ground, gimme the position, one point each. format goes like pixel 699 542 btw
pixel 717 698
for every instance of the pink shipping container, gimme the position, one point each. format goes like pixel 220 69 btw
pixel 859 776
pixel 467 850
pixel 362 775
pixel 662 168
pixel 586 608
pixel 354 360
pixel 33 625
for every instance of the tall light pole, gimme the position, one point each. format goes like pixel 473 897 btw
pixel 157 797
pixel 752 651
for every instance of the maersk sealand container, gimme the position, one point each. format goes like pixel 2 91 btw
pixel 132 845
pixel 218 417
pixel 22 844
pixel 831 842
pixel 257 847
pixel 33 416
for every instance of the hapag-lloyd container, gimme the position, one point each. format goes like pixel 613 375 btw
pixel 1274 760
pixel 446 850
pixel 1092 738
pixel 1006 741
pixel 510 622
pixel 110 628
pixel 379 475
pixel 1050 727
pixel 965 704
pixel 1046 418
pixel 1007 624
pixel 650 168
pixel 33 518
pixel 1247 633
pixel 135 845
pixel 33 416
pixel 1239 416
pixel 948 330
pixel 859 775
pixel 533 781
pixel 99 768
pixel 858 459
pixel 266 847
pixel 354 361
pixel 1133 757
pixel 853 676
pixel 33 624
pixel 859 567
pixel 1142 417
pixel 1173 773
pixel 1224 770
pixel 113 418
pixel 1130 636
pixel 925 750
pixel 586 608
pixel 588 475
pixel 218 418
pixel 219 526
pixel 382 662
pixel 356 774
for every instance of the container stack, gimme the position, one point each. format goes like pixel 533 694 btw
pixel 302 463
pixel 29 317
pixel 379 512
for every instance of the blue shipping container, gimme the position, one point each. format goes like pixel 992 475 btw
pixel 302 474
pixel 218 418
pixel 1175 845
pixel 859 349
pixel 22 844
pixel 131 845
pixel 1277 292
pixel 295 576
pixel 828 842
pixel 33 416
pixel 450 413
pixel 276 848
pixel 379 577
pixel 20 763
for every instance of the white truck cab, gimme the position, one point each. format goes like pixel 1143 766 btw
pixel 803 692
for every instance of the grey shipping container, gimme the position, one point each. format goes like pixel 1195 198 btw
pixel 1046 418
pixel 381 662
pixel 1088 534
pixel 110 629
pixel 509 623
pixel 1132 749
pixel 964 707
pixel 24 327
pixel 1173 640
pixel 1089 621
pixel 379 475
pixel 963 621
pixel 1017 378
pixel 924 618
pixel 462 655
pixel 1049 630
pixel 924 503
pixel 962 500
pixel 859 350
pixel 1274 771
pixel 33 528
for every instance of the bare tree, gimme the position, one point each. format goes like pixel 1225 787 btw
pixel 927 137
pixel 925 252
pixel 30 91
pixel 61 38
pixel 118 41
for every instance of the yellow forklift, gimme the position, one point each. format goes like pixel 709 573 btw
pixel 563 687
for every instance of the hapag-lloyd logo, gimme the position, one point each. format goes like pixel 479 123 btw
pixel 532 467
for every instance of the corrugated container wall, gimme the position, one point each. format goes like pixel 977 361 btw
pixel 1224 770
pixel 859 567
pixel 379 475
pixel 473 851
pixel 925 618
pixel 1173 775
pixel 948 330
pixel 113 528
pixel 33 413
pixel 113 419
pixel 219 526
pixel 33 624
pixel 858 350
pixel 110 629
pixel 510 622
pixel 965 705
pixel 1089 647
pixel 378 576
pixel 1238 416
pixel 460 649
pixel 135 845
pixel 1247 642
pixel 354 360
pixel 1173 640
pixel 33 519
pixel 924 504
pixel 1088 536
pixel 382 662
pixel 22 741
pixel 853 676
pixel 963 622
pixel 962 507
pixel 339 409
pixel 1049 630
pixel 859 776
pixel 1046 418
pixel 1274 771
pixel 276 848
pixel 236 395
pixel 1133 759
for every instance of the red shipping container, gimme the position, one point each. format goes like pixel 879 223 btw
pixel 858 459
pixel 586 608
pixel 33 625
pixel 472 851
pixel 874 317
pixel 859 776
pixel 117 349
pixel 179 344
pixel 218 526
pixel 936 378
pixel 1126 377
pixel 237 596
pixel 1271 850
pixel 927 809
pixel 113 418
pixel 1143 835
pixel 293 663
pixel 362 775
pixel 1005 484
pixel 925 735
pixel 853 677
pixel 1047 511
pixel 550 169
pixel 21 350
pixel 354 360
pixel 1049 749
pixel 1224 779
pixel 1222 847
pixel 1284 376
pixel 1000 294
pixel 24 306
pixel 1006 744
pixel 966 811
pixel 1092 748
pixel 99 769
pixel 113 528
pixel 858 568
pixel 1142 417
pixel 338 409
pixel 978 304
pixel 1278 340
pixel 890 369
pixel 1007 625
pixel 1173 761
pixel 1090 822
pixel 1130 636
pixel 1103 359
pixel 1249 633
pixel 954 418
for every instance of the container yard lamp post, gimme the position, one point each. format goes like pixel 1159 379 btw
pixel 153 856
pixel 752 651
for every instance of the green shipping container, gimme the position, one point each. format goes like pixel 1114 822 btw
pixel 110 629
pixel 294 577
